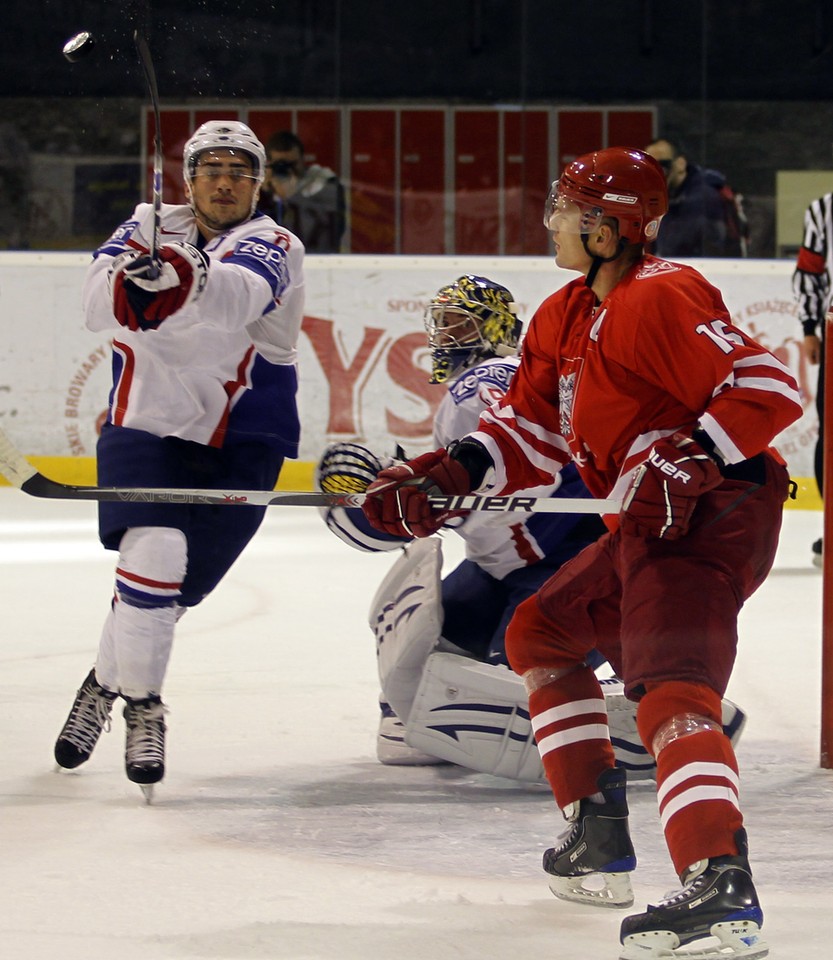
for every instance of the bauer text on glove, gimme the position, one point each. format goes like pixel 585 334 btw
pixel 664 490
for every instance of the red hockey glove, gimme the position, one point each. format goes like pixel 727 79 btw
pixel 664 490
pixel 142 302
pixel 397 501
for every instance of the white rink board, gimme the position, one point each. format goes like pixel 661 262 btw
pixel 362 355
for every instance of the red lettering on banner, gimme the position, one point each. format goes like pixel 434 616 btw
pixel 414 378
pixel 341 379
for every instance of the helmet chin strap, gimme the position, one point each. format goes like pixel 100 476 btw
pixel 599 260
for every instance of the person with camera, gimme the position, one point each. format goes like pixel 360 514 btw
pixel 308 200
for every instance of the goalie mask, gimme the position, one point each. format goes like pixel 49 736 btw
pixel 468 321
pixel 225 135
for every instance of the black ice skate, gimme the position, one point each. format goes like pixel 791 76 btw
pixel 592 862
pixel 144 752
pixel 718 901
pixel 89 716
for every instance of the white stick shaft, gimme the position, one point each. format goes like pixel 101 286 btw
pixel 20 473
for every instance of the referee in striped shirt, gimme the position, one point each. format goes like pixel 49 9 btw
pixel 811 287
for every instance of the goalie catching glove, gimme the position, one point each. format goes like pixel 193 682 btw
pixel 141 301
pixel 665 488
pixel 351 468
pixel 397 502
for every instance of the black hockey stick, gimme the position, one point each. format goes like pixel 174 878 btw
pixel 20 473
pixel 158 160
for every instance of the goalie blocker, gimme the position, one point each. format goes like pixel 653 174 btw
pixel 467 712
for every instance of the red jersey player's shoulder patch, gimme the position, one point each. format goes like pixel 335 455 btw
pixel 653 268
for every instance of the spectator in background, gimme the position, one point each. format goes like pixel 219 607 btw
pixel 308 200
pixel 811 288
pixel 705 217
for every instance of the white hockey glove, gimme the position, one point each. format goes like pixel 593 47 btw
pixel 142 302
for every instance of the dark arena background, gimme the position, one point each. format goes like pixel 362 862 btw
pixel 746 86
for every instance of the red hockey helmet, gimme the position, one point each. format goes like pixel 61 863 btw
pixel 626 185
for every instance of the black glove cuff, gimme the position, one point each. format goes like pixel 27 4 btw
pixel 473 456
pixel 708 445
pixel 810 328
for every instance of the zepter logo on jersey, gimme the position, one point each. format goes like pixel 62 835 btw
pixel 264 258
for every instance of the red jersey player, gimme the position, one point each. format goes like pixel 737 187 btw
pixel 635 372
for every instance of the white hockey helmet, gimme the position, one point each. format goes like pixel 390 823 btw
pixel 225 135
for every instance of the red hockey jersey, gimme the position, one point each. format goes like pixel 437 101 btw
pixel 599 384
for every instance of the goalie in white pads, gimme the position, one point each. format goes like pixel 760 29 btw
pixel 204 384
pixel 447 692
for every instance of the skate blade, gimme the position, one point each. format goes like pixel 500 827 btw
pixel 595 889
pixel 738 940
pixel 147 792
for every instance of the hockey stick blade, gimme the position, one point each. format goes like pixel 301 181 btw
pixel 20 473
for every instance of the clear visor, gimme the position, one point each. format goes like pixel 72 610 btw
pixel 451 327
pixel 570 216
pixel 235 166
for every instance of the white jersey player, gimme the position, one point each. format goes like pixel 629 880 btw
pixel 204 385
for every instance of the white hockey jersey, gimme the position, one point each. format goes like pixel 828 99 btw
pixel 223 367
pixel 501 542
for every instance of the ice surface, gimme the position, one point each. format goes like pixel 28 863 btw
pixel 277 835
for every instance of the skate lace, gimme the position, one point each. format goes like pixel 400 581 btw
pixel 566 838
pixel 90 715
pixel 680 894
pixel 145 733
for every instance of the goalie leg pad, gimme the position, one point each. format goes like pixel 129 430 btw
pixel 476 715
pixel 406 618
pixel 630 753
